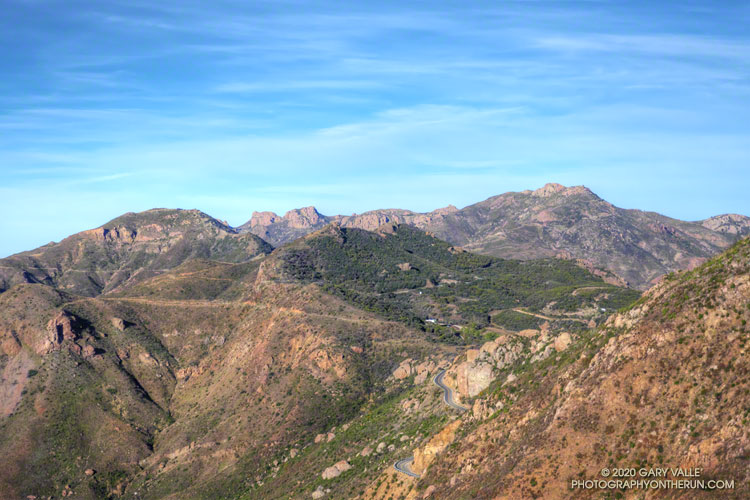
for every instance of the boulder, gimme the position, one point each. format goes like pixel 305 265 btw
pixel 404 370
pixel 331 472
pixel 336 469
pixel 118 323
pixel 10 346
pixel 562 341
pixel 366 452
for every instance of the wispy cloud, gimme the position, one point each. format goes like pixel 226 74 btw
pixel 248 87
pixel 667 44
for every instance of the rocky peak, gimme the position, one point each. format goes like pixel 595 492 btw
pixel 548 190
pixel 551 189
pixel 728 224
pixel 263 219
pixel 445 210
pixel 304 217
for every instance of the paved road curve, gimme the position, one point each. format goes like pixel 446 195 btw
pixel 447 392
pixel 404 465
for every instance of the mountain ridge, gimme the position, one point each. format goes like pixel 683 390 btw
pixel 129 248
pixel 551 221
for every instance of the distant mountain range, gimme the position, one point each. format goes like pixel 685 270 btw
pixel 553 221
pixel 573 223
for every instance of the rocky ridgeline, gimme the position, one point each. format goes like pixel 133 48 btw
pixel 634 246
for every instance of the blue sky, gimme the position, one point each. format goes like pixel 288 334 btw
pixel 234 106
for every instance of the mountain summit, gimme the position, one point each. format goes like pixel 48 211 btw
pixel 130 248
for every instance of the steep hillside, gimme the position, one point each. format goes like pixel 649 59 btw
pixel 195 383
pixel 409 276
pixel 553 221
pixel 661 386
pixel 128 249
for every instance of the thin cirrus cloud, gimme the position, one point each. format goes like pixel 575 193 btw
pixel 247 87
pixel 231 107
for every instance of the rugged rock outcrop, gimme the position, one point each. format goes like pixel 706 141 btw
pixel 421 371
pixel 477 371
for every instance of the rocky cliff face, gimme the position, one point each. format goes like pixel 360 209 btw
pixel 479 367
pixel 553 221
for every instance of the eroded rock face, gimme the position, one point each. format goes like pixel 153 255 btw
pixel 60 328
pixel 263 218
pixel 304 217
pixel 409 367
pixel 477 372
pixel 473 377
pixel 729 224
pixel 424 456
